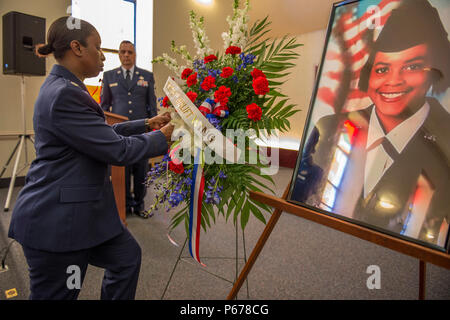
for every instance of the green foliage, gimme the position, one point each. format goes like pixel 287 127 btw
pixel 275 58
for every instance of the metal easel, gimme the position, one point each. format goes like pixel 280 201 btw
pixel 236 258
pixel 21 144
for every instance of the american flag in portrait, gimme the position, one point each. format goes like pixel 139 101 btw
pixel 354 29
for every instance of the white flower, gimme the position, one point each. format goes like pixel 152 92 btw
pixel 182 50
pixel 169 62
pixel 201 41
pixel 236 35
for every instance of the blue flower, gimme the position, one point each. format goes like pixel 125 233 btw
pixel 216 198
pixel 175 198
pixel 246 60
pixel 213 72
pixel 160 100
pixel 208 197
pixel 214 121
pixel 166 158
pixel 199 65
pixel 250 58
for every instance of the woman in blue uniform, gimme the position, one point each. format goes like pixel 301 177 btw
pixel 394 172
pixel 65 217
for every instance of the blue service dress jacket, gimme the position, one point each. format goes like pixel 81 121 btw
pixel 67 202
pixel 136 101
pixel 426 155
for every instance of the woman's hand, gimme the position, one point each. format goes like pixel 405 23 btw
pixel 156 123
pixel 167 130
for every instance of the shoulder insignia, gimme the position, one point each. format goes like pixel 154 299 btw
pixel 75 84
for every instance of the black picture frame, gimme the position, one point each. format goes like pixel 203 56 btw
pixel 317 155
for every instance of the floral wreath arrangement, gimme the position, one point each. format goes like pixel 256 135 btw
pixel 237 90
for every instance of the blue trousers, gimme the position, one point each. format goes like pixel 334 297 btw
pixel 52 274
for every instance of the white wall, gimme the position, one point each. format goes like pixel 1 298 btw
pixel 300 84
pixel 144 34
pixel 171 22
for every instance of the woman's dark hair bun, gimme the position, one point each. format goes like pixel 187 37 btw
pixel 61 33
pixel 45 50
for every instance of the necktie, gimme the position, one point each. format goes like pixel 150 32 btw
pixel 387 146
pixel 377 163
pixel 128 78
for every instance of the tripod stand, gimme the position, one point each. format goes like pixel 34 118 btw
pixel 22 143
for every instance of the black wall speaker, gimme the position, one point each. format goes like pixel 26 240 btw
pixel 21 32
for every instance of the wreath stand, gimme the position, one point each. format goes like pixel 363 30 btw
pixel 188 259
pixel 422 253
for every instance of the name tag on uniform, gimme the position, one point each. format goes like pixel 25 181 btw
pixel 113 84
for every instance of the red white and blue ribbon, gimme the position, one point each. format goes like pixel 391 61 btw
pixel 210 108
pixel 207 107
pixel 221 111
pixel 195 209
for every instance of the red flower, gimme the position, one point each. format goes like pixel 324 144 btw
pixel 233 50
pixel 166 102
pixel 192 95
pixel 186 72
pixel 222 95
pixel 210 58
pixel 227 72
pixel 260 85
pixel 177 168
pixel 256 73
pixel 192 80
pixel 254 112
pixel 208 83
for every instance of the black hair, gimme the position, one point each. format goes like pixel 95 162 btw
pixel 62 32
pixel 414 22
pixel 127 42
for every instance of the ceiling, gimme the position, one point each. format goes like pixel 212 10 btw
pixel 292 17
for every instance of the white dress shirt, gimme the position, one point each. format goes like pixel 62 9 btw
pixel 124 71
pixel 378 161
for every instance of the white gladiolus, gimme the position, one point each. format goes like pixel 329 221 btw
pixel 236 35
pixel 182 50
pixel 169 62
pixel 201 41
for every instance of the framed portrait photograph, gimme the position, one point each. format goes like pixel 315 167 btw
pixel 375 149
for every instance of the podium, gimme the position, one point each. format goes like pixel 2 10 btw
pixel 118 173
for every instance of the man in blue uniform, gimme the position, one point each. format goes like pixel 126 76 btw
pixel 129 91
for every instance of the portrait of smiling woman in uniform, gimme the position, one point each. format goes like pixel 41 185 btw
pixel 385 164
